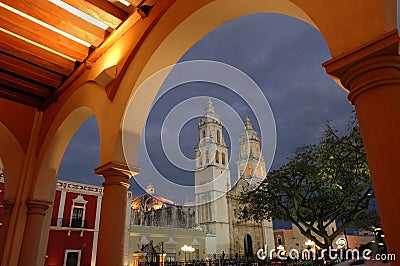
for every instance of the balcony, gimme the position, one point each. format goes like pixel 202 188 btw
pixel 69 223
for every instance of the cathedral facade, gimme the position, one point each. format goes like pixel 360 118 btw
pixel 217 203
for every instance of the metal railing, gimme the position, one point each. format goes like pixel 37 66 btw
pixel 70 223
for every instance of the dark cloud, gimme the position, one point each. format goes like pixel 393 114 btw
pixel 282 55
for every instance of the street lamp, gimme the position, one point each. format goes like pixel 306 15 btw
pixel 187 248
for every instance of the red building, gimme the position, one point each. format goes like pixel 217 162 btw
pixel 75 224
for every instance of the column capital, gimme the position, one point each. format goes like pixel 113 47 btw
pixel 38 206
pixel 8 206
pixel 387 44
pixel 116 173
pixel 372 66
pixel 372 73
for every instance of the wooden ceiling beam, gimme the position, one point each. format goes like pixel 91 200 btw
pixel 32 53
pixel 57 17
pixel 29 71
pixel 39 34
pixel 8 93
pixel 23 85
pixel 95 12
pixel 110 8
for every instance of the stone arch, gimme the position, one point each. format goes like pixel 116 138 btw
pixel 11 158
pixel 89 100
pixel 47 175
pixel 177 25
pixel 164 44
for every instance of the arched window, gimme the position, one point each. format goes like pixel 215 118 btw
pixel 216 156
pixel 248 246
pixel 200 159
pixel 203 134
pixel 223 158
pixel 258 170
pixel 207 157
pixel 218 137
pixel 249 171
pixel 257 148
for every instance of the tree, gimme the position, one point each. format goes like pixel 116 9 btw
pixel 319 185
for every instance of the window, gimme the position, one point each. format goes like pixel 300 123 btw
pixel 77 217
pixel 258 170
pixel 241 170
pixel 203 134
pixel 200 159
pixel 216 157
pixel 223 158
pixel 257 148
pixel 279 239
pixel 249 170
pixel 244 148
pixel 78 209
pixel 218 137
pixel 207 157
pixel 72 257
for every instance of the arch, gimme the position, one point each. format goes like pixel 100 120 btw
pixel 218 137
pixel 203 133
pixel 12 156
pixel 248 246
pixel 223 159
pixel 47 175
pixel 258 170
pixel 195 19
pixel 63 122
pixel 216 156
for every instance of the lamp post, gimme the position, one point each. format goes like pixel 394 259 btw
pixel 187 248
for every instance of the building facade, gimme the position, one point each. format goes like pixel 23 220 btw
pixel 74 225
pixel 216 201
pixel 159 229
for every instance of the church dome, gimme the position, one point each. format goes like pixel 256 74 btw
pixel 150 201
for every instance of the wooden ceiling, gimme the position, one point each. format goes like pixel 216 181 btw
pixel 43 42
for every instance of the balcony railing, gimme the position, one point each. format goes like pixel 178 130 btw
pixel 71 223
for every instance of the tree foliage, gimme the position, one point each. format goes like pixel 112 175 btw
pixel 319 185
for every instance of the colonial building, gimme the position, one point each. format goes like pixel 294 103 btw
pixel 74 225
pixel 217 203
pixel 157 222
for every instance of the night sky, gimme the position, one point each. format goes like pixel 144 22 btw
pixel 281 54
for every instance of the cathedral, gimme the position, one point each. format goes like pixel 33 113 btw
pixel 216 206
pixel 216 200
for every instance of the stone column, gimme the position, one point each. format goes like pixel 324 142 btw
pixel 372 77
pixel 8 206
pixel 110 249
pixel 33 232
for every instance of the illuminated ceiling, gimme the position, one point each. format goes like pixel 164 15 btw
pixel 44 43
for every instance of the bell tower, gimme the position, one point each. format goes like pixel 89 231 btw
pixel 212 179
pixel 251 164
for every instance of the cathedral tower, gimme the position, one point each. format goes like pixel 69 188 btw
pixel 251 164
pixel 212 179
